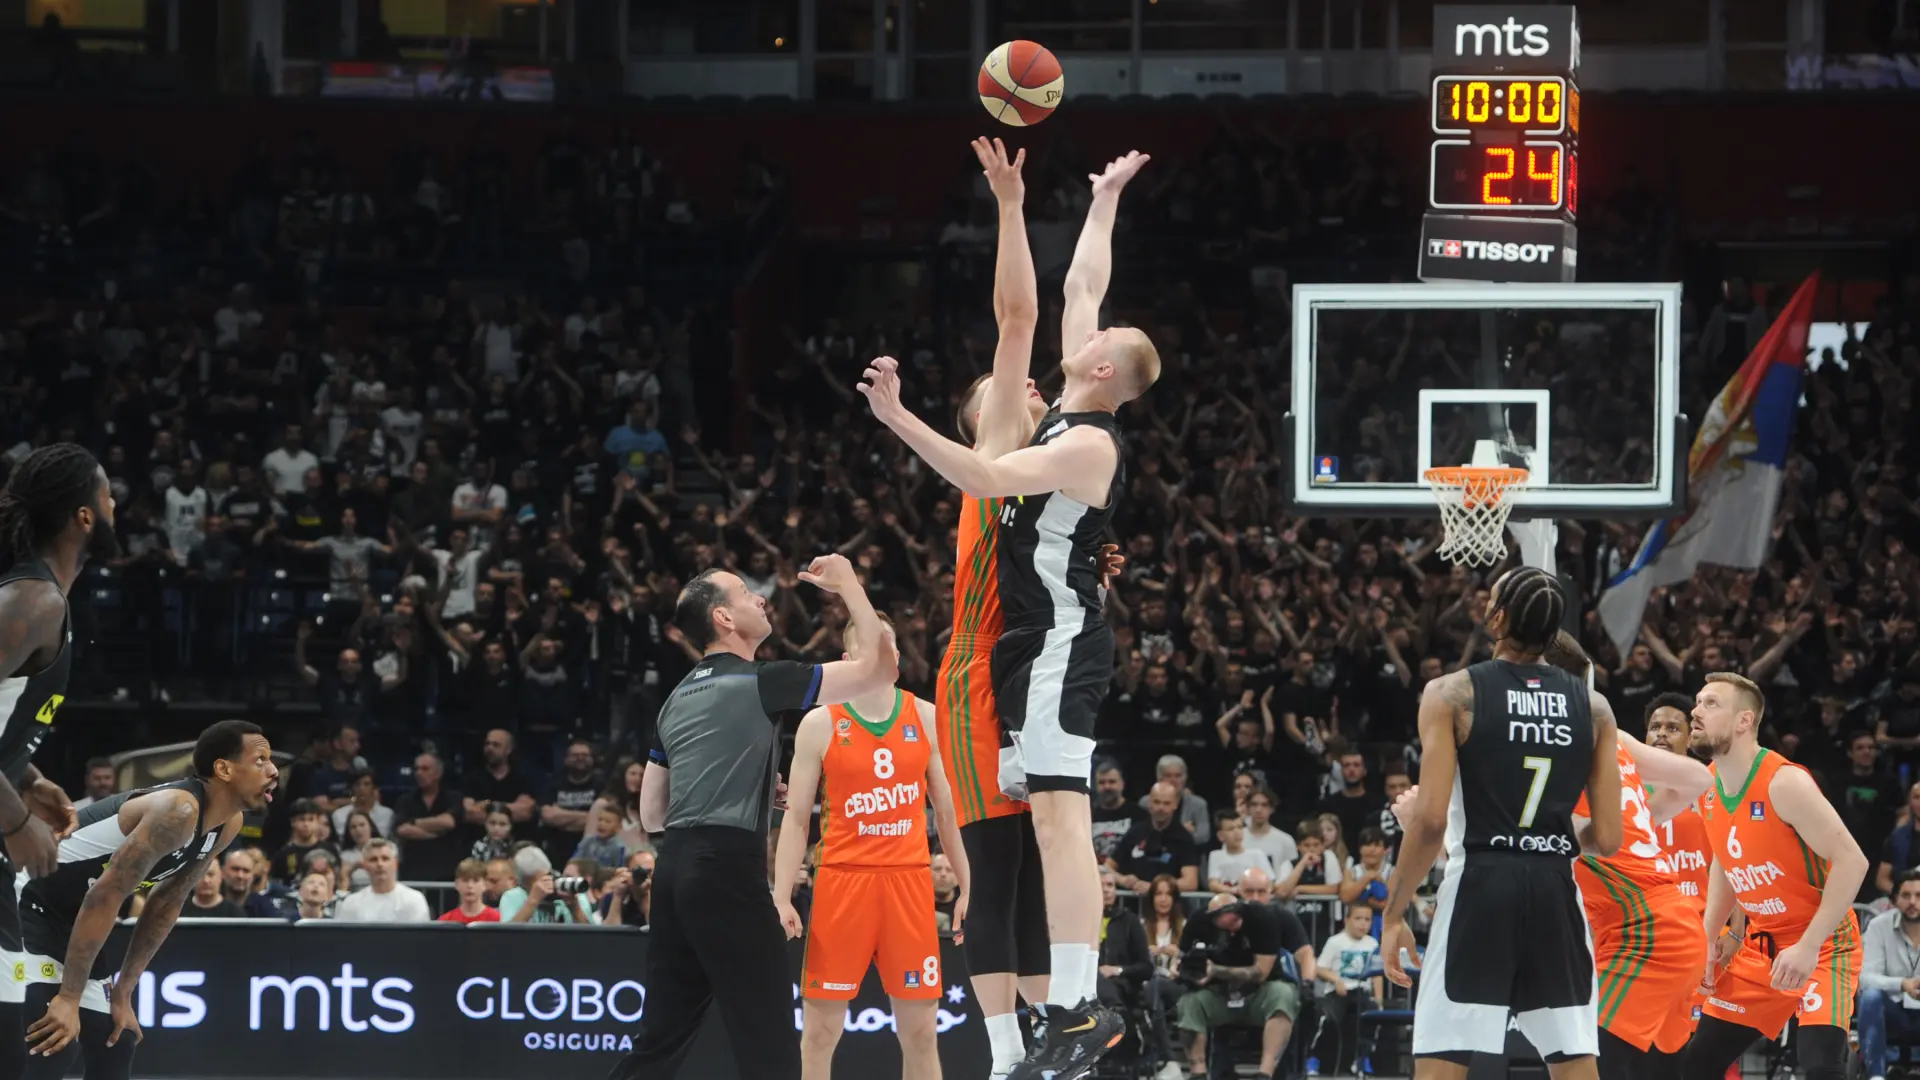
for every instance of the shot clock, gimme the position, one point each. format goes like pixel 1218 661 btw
pixel 1503 179
pixel 1505 144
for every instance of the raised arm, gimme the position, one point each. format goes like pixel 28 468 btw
pixel 1603 832
pixel 1032 470
pixel 873 664
pixel 1092 266
pixel 1004 424
pixel 1677 781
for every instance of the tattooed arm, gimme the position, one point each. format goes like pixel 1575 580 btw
pixel 163 909
pixel 164 822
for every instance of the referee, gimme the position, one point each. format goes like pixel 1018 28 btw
pixel 715 935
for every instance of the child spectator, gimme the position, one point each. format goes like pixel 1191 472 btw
pixel 498 842
pixel 1346 990
pixel 1366 884
pixel 317 900
pixel 603 845
pixel 470 881
pixel 308 821
pixel 1315 872
pixel 1233 858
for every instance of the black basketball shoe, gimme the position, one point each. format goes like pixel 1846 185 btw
pixel 1075 1040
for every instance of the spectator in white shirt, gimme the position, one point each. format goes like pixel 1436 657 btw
pixel 187 504
pixel 1317 872
pixel 1346 988
pixel 286 467
pixel 238 318
pixel 1262 836
pixel 1233 857
pixel 459 564
pixel 364 797
pixel 402 424
pixel 479 504
pixel 384 900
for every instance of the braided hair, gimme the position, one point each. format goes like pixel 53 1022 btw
pixel 40 499
pixel 1534 607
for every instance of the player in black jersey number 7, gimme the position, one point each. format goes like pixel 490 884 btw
pixel 157 839
pixel 1510 745
pixel 56 512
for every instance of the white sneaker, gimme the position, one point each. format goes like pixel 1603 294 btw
pixel 1172 1070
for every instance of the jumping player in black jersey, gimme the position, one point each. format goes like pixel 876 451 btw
pixel 1509 746
pixel 159 838
pixel 56 512
pixel 1054 659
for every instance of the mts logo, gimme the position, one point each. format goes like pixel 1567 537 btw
pixel 1510 38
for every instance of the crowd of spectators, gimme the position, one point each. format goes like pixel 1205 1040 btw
pixel 495 494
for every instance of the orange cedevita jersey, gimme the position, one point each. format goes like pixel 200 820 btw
pixel 976 576
pixel 1687 845
pixel 873 796
pixel 1640 858
pixel 1776 877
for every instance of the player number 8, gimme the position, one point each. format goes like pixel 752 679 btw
pixel 930 971
pixel 1733 843
pixel 883 763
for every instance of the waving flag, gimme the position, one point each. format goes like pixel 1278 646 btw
pixel 1734 473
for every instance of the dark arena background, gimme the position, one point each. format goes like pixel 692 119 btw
pixel 429 346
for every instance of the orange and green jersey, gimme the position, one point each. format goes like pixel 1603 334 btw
pixel 1776 878
pixel 873 789
pixel 970 736
pixel 1685 838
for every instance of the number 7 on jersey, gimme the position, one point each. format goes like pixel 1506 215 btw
pixel 1541 767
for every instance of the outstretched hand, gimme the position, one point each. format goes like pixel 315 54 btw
pixel 1118 172
pixel 1003 173
pixel 882 390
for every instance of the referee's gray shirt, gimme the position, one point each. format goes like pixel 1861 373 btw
pixel 719 731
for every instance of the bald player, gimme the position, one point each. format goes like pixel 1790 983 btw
pixel 1054 658
pixel 1007 943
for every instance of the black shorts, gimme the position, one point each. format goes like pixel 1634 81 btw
pixel 1006 928
pixel 1048 685
pixel 1509 941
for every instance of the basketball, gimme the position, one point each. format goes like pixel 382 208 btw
pixel 1020 83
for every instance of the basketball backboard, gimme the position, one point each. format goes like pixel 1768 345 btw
pixel 1579 384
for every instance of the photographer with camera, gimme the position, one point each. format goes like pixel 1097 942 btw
pixel 541 897
pixel 628 900
pixel 1228 957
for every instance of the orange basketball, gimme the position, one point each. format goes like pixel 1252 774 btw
pixel 1020 83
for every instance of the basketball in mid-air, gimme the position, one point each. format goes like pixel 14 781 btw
pixel 1021 83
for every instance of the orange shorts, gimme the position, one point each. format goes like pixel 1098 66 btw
pixel 866 917
pixel 1744 994
pixel 1646 962
pixel 1673 1034
pixel 970 732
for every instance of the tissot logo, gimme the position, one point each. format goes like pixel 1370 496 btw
pixel 1443 249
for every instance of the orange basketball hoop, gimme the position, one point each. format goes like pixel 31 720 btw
pixel 1473 511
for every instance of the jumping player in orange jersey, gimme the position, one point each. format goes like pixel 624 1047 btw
pixel 875 764
pixel 1007 946
pixel 1647 941
pixel 1670 729
pixel 1781 851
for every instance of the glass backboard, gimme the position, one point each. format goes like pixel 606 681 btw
pixel 1577 383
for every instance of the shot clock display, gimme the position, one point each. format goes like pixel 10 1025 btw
pixel 1529 176
pixel 1525 105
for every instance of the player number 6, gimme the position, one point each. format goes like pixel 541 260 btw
pixel 1733 843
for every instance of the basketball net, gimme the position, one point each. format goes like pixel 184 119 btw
pixel 1474 507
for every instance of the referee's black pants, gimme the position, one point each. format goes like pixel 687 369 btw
pixel 715 937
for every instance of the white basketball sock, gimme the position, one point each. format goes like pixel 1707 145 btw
pixel 1003 1036
pixel 1073 965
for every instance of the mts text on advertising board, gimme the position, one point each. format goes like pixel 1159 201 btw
pixel 1506 39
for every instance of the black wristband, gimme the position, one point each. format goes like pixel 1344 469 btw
pixel 24 820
